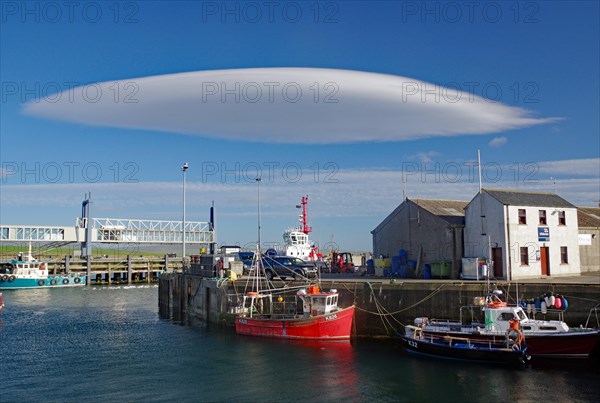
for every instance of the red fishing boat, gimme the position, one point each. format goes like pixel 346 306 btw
pixel 310 315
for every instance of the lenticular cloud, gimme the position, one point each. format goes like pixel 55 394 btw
pixel 285 105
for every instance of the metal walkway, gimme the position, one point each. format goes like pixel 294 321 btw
pixel 112 230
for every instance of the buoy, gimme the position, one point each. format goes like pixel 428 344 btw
pixel 558 302
pixel 544 307
pixel 538 304
pixel 565 304
pixel 547 300
pixel 530 308
pixel 551 301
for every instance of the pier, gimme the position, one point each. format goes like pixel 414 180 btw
pixel 126 270
pixel 383 306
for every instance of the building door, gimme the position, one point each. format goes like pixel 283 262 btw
pixel 497 258
pixel 545 260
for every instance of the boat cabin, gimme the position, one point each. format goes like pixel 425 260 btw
pixel 28 268
pixel 497 319
pixel 309 303
pixel 317 303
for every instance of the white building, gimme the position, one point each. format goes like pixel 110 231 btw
pixel 527 234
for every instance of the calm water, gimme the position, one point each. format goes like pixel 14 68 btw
pixel 109 344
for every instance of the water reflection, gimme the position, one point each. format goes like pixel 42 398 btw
pixel 132 355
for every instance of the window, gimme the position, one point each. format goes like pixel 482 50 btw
pixel 524 256
pixel 542 217
pixel 562 220
pixel 522 216
pixel 564 256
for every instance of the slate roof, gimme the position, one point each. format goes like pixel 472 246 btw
pixel 451 211
pixel 532 199
pixel 588 217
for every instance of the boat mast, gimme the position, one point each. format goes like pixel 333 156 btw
pixel 304 216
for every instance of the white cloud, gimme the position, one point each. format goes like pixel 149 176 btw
pixel 498 141
pixel 350 207
pixel 427 157
pixel 579 167
pixel 284 105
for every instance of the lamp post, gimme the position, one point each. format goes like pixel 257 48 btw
pixel 184 169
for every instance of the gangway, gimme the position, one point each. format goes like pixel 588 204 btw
pixel 111 230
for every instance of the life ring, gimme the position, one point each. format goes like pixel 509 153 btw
pixel 5 277
pixel 496 304
pixel 40 282
pixel 77 280
pixel 11 278
pixel 53 281
pixel 65 281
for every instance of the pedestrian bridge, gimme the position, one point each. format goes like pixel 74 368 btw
pixel 112 230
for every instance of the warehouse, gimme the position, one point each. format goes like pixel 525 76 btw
pixel 429 230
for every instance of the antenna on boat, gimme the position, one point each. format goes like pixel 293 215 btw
pixel 258 180
pixel 304 216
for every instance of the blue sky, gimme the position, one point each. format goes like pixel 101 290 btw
pixel 534 60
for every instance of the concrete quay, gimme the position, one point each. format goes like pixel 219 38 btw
pixel 384 305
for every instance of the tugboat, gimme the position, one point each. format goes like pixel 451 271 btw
pixel 28 272
pixel 295 240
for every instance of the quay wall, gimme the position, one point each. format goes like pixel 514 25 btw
pixel 128 269
pixel 383 307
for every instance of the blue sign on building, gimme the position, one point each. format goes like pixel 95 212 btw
pixel 543 234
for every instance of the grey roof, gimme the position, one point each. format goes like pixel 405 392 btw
pixel 451 211
pixel 533 199
pixel 588 217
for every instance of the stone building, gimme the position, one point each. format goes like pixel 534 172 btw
pixel 429 230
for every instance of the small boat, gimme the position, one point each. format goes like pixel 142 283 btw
pixel 545 338
pixel 28 272
pixel 509 352
pixel 311 315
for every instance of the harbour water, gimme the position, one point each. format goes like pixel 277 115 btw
pixel 110 344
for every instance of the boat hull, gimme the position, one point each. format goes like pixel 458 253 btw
pixel 332 326
pixel 465 350
pixel 572 344
pixel 58 281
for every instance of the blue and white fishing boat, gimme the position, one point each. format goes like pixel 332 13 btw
pixel 28 272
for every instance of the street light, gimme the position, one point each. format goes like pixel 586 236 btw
pixel 184 169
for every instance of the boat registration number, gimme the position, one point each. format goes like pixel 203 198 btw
pixel 331 317
pixel 243 321
pixel 413 343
